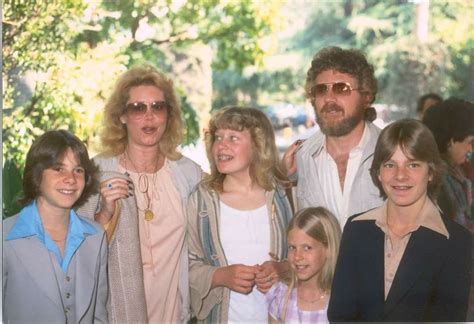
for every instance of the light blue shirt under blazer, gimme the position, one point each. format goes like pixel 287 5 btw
pixel 29 223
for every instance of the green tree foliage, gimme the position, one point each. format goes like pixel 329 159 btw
pixel 405 66
pixel 233 28
pixel 12 189
pixel 33 35
pixel 452 24
pixel 256 89
pixel 408 68
pixel 61 57
pixel 32 31
pixel 76 50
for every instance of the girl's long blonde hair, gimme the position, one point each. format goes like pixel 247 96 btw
pixel 265 169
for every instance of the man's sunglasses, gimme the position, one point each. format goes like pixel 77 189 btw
pixel 338 88
pixel 139 109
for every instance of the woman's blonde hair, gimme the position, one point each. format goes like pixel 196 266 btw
pixel 321 225
pixel 114 134
pixel 265 169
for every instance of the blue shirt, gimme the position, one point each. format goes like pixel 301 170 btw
pixel 29 223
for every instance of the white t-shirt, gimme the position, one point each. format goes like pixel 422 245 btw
pixel 245 238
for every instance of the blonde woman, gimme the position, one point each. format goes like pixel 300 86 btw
pixel 314 235
pixel 143 194
pixel 237 219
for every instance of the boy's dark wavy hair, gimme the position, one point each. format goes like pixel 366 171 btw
pixel 47 151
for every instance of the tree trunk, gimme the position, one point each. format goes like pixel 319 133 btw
pixel 421 21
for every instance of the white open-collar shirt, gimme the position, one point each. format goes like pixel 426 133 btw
pixel 336 197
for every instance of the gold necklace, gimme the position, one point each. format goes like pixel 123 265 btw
pixel 312 301
pixel 143 187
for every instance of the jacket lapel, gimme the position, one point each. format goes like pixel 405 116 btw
pixel 86 267
pixel 374 260
pixel 37 262
pixel 420 252
pixel 379 265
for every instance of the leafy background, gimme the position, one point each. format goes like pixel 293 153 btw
pixel 62 57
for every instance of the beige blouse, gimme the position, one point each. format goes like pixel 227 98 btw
pixel 161 240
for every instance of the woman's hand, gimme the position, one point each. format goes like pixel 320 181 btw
pixel 237 277
pixel 289 158
pixel 112 190
pixel 269 273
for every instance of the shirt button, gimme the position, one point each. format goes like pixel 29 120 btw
pixel 68 278
pixel 68 295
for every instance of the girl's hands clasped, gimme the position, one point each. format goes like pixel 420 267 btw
pixel 237 277
pixel 242 278
pixel 269 273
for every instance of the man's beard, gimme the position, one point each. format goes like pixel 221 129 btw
pixel 342 127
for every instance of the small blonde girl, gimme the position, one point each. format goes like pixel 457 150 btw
pixel 313 243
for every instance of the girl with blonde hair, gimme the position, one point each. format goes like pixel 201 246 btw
pixel 237 219
pixel 313 244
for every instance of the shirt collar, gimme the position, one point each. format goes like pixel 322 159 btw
pixel 29 223
pixel 429 217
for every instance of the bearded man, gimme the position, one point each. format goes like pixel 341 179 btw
pixel 333 165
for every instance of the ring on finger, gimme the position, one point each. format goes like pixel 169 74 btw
pixel 109 185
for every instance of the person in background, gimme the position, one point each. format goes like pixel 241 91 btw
pixel 237 217
pixel 313 244
pixel 332 166
pixel 54 261
pixel 426 101
pixel 468 166
pixel 403 261
pixel 452 124
pixel 145 183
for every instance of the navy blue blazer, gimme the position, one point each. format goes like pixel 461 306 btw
pixel 431 284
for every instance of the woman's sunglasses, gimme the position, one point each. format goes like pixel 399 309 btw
pixel 338 88
pixel 139 109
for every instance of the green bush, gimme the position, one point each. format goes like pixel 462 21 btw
pixel 12 189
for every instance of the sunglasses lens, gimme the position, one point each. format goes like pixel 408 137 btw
pixel 338 88
pixel 320 89
pixel 136 108
pixel 158 106
pixel 139 109
pixel 341 88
